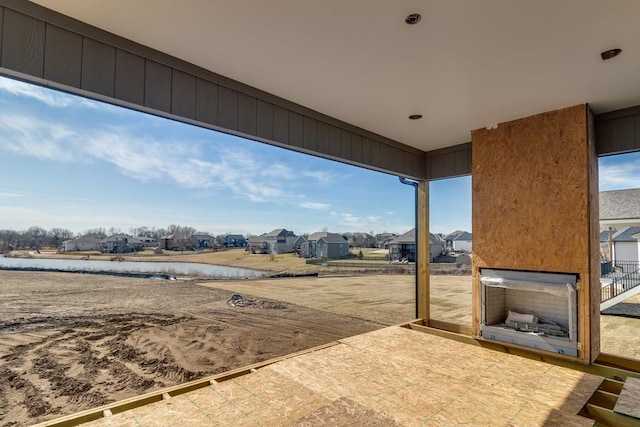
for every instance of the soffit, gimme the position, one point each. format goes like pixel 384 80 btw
pixel 466 65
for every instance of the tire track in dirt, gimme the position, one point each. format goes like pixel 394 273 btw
pixel 78 366
pixel 72 342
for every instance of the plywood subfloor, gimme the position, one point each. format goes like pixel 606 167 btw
pixel 393 376
pixel 628 402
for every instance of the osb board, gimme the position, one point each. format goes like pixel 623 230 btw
pixel 531 193
pixel 593 291
pixel 629 401
pixel 394 374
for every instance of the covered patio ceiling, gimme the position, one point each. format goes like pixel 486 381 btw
pixel 465 65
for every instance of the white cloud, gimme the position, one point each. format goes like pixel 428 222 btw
pixel 315 206
pixel 242 172
pixel 46 96
pixel 320 176
pixel 12 194
pixel 619 176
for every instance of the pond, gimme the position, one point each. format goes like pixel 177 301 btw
pixel 166 268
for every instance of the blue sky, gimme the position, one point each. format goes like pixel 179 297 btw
pixel 70 162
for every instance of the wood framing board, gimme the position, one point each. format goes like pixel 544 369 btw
pixel 629 401
pixel 423 273
pixel 393 376
pixel 533 207
pixel 592 294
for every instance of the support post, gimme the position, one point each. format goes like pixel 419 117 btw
pixel 423 249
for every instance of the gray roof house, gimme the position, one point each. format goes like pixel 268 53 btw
pixel 362 240
pixel 403 247
pixel 121 243
pixel 459 241
pixel 624 244
pixel 620 208
pixel 201 240
pixel 85 243
pixel 322 245
pixel 235 240
pixel 278 241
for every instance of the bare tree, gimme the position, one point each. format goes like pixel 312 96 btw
pixel 99 232
pixel 181 236
pixel 35 236
pixel 8 240
pixel 59 235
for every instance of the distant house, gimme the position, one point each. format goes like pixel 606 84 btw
pixel 459 241
pixel 625 243
pixel 322 245
pixel 620 208
pixel 201 240
pixel 235 241
pixel 85 243
pixel 148 242
pixel 280 240
pixel 383 239
pixel 257 245
pixel 403 247
pixel 121 244
pixel 362 240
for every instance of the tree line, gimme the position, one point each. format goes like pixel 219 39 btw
pixel 37 237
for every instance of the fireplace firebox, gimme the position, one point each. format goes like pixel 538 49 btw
pixel 532 309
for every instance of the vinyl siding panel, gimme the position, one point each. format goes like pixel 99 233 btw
pixel 345 144
pixel 335 148
pixel 322 143
pixel 365 151
pixel 247 114
pixel 449 162
pixel 206 102
pixel 130 77
pixel 280 125
pixel 618 131
pixel 310 134
pixel 227 108
pixel 183 94
pixel 264 120
pixel 157 87
pixel 1 31
pixel 356 148
pixel 296 129
pixel 63 56
pixel 23 43
pixel 375 154
pixel 98 67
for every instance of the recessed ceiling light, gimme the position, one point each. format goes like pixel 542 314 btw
pixel 611 53
pixel 415 116
pixel 413 19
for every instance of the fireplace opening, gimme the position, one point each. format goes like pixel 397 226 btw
pixel 532 309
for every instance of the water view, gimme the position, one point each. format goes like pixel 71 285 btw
pixel 169 268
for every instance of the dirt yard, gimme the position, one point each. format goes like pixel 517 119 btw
pixel 70 342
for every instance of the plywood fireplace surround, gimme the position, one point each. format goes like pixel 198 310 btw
pixel 535 201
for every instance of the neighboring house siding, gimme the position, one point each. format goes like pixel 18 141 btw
pixel 625 251
pixel 435 249
pixel 323 245
pixel 462 245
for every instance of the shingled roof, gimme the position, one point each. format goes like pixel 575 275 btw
pixel 620 207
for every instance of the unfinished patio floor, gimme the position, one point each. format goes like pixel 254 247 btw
pixel 392 376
